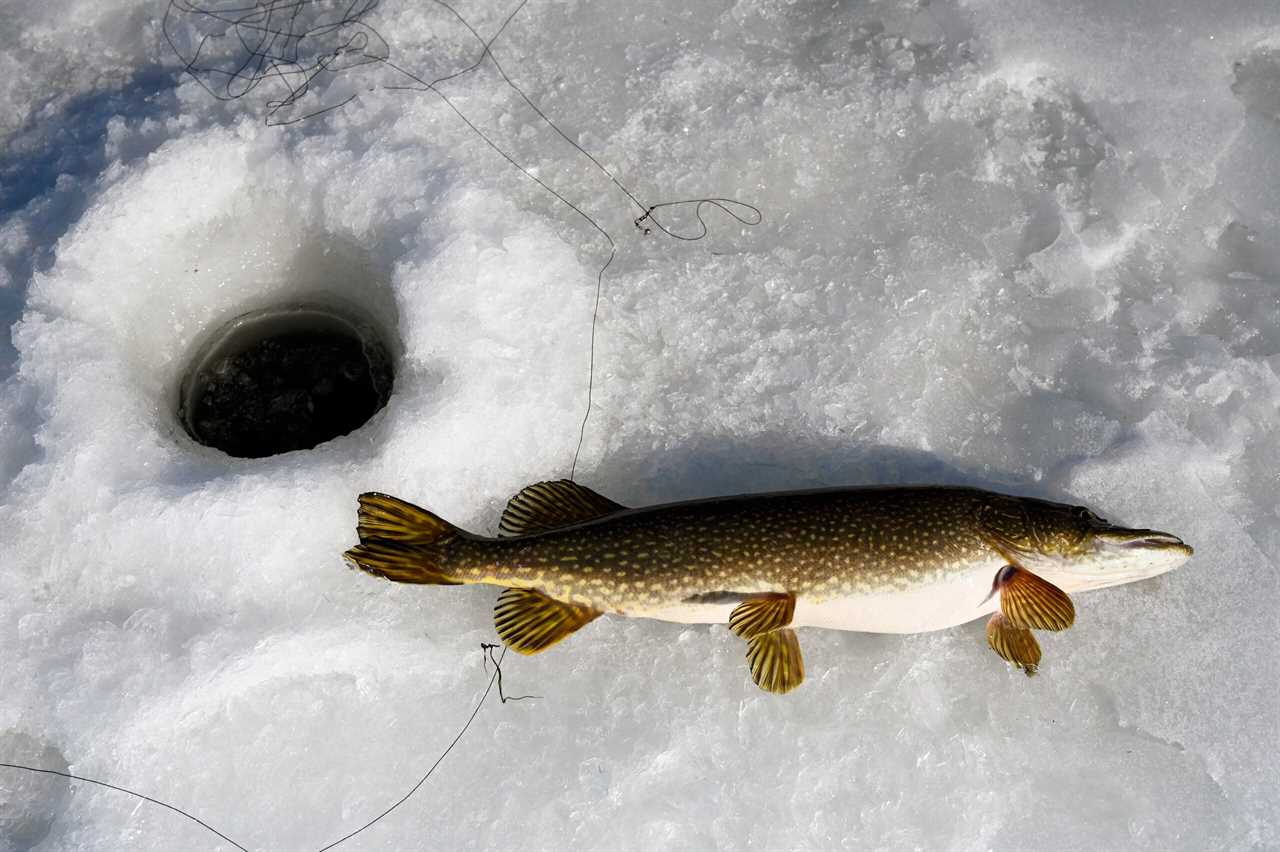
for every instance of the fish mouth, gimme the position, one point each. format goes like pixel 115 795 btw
pixel 1145 540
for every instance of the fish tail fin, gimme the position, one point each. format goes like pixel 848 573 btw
pixel 401 563
pixel 386 518
pixel 401 541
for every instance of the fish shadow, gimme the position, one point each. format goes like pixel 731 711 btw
pixel 721 465
pixel 50 171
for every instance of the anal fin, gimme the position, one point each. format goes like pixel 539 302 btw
pixel 545 506
pixel 775 660
pixel 529 621
pixel 1015 644
pixel 762 614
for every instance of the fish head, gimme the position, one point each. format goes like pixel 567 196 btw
pixel 1081 550
pixel 1119 554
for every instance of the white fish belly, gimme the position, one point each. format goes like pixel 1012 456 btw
pixel 935 606
pixel 689 613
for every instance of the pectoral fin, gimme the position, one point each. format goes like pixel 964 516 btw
pixel 528 621
pixel 1030 601
pixel 1015 644
pixel 776 664
pixel 762 614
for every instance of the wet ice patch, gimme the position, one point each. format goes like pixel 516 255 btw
pixel 1257 80
pixel 29 803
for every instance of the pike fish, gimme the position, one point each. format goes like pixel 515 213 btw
pixel 874 559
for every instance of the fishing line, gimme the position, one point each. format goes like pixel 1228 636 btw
pixel 489 648
pixel 134 793
pixel 296 43
pixel 495 678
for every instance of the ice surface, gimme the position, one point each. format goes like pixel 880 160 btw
pixel 1030 246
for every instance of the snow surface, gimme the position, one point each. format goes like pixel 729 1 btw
pixel 1025 245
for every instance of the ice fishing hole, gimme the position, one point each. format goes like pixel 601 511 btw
pixel 286 378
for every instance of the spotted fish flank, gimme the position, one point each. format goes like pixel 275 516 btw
pixel 892 560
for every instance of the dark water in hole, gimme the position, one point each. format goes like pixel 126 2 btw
pixel 286 389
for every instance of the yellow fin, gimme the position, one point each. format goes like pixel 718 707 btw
pixel 1015 644
pixel 529 621
pixel 402 563
pixel 776 664
pixel 386 518
pixel 547 505
pixel 760 615
pixel 1029 601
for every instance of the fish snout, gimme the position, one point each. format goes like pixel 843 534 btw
pixel 1154 540
pixel 1139 553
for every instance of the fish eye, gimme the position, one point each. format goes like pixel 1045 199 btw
pixel 1085 515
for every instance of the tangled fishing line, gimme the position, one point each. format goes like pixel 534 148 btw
pixel 299 49
pixel 302 56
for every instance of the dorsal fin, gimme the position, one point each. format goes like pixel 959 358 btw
pixel 547 505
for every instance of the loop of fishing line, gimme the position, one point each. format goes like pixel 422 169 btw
pixel 298 43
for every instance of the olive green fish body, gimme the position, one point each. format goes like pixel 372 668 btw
pixel 883 559
pixel 819 546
